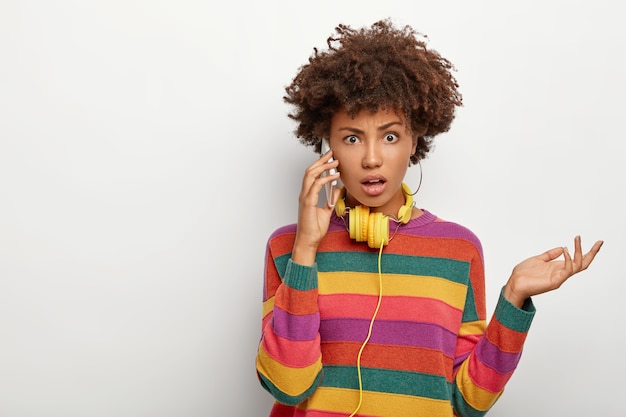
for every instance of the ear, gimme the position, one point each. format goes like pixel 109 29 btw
pixel 414 145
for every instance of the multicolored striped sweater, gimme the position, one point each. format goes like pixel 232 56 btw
pixel 431 352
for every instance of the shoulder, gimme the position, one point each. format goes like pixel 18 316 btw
pixel 280 241
pixel 287 229
pixel 431 225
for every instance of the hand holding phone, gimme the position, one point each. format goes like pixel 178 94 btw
pixel 331 185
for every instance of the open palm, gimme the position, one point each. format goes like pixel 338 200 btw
pixel 543 273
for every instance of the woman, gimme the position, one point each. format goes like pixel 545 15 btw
pixel 373 306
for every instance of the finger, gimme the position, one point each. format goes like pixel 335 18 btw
pixel 578 254
pixel 335 196
pixel 326 158
pixel 320 167
pixel 315 171
pixel 588 258
pixel 551 254
pixel 322 161
pixel 568 266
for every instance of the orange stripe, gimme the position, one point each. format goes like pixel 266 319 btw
pixel 439 247
pixel 272 279
pixel 405 358
pixel 296 301
pixel 507 340
pixel 282 244
pixel 341 243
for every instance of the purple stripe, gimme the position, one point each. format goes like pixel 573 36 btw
pixel 292 327
pixel 490 355
pixel 401 333
pixel 450 230
pixel 427 225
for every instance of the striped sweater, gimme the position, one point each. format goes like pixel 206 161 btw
pixel 431 352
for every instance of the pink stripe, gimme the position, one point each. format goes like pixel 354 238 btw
pixel 486 377
pixel 293 354
pixel 393 308
pixel 464 346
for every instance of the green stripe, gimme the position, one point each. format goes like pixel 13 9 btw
pixel 388 381
pixel 284 398
pixel 300 277
pixel 512 317
pixel 451 269
pixel 281 263
pixel 469 312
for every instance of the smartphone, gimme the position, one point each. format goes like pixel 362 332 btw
pixel 331 185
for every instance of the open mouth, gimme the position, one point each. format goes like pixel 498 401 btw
pixel 373 186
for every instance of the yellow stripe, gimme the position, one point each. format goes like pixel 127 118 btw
pixel 268 305
pixel 450 292
pixel 293 381
pixel 377 404
pixel 477 397
pixel 473 327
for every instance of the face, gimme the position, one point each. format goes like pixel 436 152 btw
pixel 373 150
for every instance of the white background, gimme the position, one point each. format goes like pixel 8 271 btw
pixel 146 155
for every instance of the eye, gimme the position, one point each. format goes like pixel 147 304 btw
pixel 390 138
pixel 351 139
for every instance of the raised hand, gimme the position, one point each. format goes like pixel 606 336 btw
pixel 313 221
pixel 543 273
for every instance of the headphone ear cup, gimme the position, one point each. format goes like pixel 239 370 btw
pixel 373 228
pixel 358 223
pixel 378 230
pixel 363 223
pixel 404 214
pixel 353 221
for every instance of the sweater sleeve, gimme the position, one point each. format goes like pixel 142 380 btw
pixel 289 360
pixel 485 362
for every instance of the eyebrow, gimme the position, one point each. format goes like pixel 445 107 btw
pixel 380 128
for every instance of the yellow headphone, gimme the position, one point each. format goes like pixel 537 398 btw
pixel 373 228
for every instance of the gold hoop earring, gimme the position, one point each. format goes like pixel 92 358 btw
pixel 419 162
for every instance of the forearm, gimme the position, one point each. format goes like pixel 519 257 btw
pixel 483 374
pixel 289 357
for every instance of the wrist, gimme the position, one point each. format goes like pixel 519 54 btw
pixel 513 296
pixel 303 254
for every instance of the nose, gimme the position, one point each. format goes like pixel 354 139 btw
pixel 372 157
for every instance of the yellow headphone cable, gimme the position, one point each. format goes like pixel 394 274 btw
pixel 369 332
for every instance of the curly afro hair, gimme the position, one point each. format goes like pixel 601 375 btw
pixel 381 67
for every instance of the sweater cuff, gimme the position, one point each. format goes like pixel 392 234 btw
pixel 300 277
pixel 513 317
